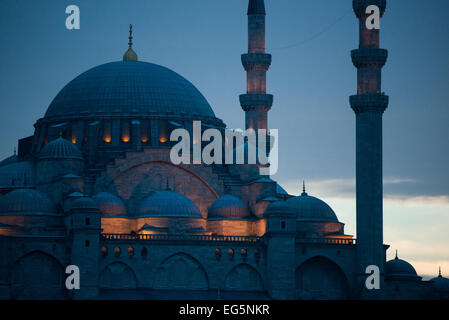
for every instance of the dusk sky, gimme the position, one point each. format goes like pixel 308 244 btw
pixel 311 78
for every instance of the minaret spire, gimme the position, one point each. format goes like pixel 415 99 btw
pixel 256 102
pixel 130 55
pixel 439 272
pixel 369 105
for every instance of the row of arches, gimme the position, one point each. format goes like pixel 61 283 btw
pixel 38 275
pixel 181 272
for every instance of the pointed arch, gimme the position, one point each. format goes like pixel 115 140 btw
pixel 118 275
pixel 181 271
pixel 37 275
pixel 244 277
pixel 320 278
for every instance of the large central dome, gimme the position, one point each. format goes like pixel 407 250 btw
pixel 129 88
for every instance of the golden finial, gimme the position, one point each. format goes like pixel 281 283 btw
pixel 130 55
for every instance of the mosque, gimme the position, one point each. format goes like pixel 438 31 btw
pixel 94 187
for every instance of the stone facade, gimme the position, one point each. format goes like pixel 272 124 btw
pixel 96 189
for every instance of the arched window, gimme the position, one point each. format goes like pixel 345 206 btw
pixel 257 255
pixel 117 251
pixel 244 253
pixel 144 253
pixel 104 251
pixel 131 252
pixel 217 254
pixel 231 254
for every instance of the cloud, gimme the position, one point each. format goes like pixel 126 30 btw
pixel 416 224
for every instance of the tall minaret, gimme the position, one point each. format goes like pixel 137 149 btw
pixel 256 103
pixel 369 105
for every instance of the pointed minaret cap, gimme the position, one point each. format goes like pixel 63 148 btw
pixel 304 193
pixel 256 7
pixel 396 254
pixel 130 55
pixel 439 272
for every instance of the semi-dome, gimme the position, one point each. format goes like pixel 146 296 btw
pixel 127 88
pixel 308 208
pixel 109 204
pixel 168 204
pixel 60 148
pixel 17 175
pixel 398 268
pixel 26 201
pixel 228 207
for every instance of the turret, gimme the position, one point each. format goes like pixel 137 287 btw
pixel 256 102
pixel 369 105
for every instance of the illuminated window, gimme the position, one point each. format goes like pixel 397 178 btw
pixel 131 252
pixel 107 128
pixel 117 251
pixel 126 134
pixel 163 139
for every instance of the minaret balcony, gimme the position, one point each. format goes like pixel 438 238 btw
pixel 369 57
pixel 256 101
pixel 256 61
pixel 369 103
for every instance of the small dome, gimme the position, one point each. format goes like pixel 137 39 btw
pixel 25 201
pixel 60 149
pixel 12 159
pixel 17 175
pixel 228 206
pixel 308 208
pixel 109 204
pixel 278 207
pixel 441 283
pixel 84 203
pixel 399 268
pixel 168 204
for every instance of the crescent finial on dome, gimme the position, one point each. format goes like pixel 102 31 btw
pixel 130 55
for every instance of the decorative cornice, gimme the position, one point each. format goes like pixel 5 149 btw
pixel 377 103
pixel 256 61
pixel 256 101
pixel 366 57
